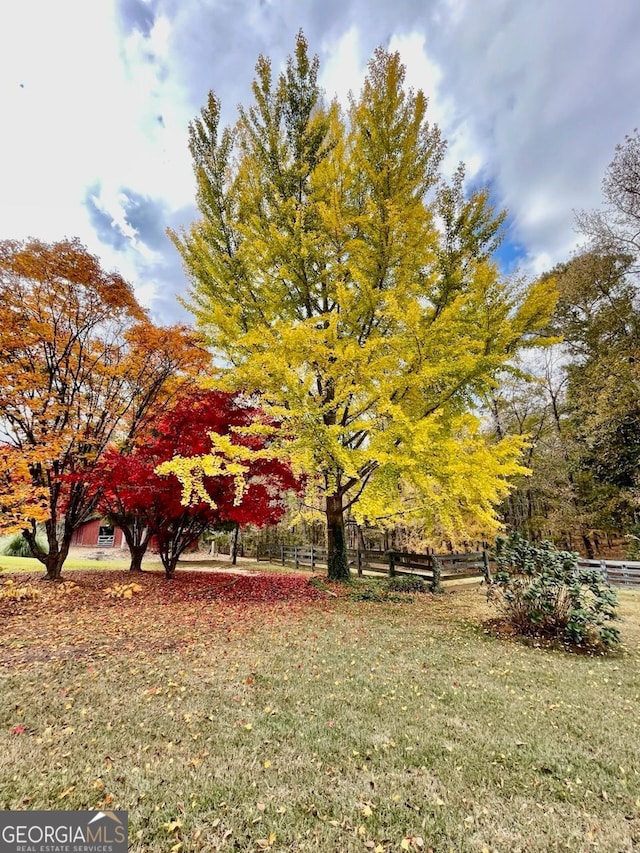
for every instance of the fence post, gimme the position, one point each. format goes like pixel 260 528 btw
pixel 392 564
pixel 359 562
pixel 312 560
pixel 603 571
pixel 436 586
pixel 626 579
pixel 282 553
pixel 485 562
pixel 295 556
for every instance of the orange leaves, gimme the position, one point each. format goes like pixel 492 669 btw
pixel 81 366
pixel 66 792
pixel 163 614
pixel 57 271
pixel 412 842
pixel 162 362
pixel 172 348
pixel 60 372
pixel 67 588
pixel 20 498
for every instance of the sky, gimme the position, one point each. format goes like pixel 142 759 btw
pixel 96 97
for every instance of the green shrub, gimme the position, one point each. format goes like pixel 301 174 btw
pixel 18 546
pixel 380 595
pixel 406 583
pixel 542 592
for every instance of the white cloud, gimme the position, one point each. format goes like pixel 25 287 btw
pixel 532 96
pixel 86 109
pixel 548 89
pixel 423 72
pixel 343 70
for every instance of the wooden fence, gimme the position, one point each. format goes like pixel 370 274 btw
pixel 437 569
pixel 616 572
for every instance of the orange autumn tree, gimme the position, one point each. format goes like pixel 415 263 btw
pixel 81 367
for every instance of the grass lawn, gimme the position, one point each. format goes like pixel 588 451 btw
pixel 30 564
pixel 85 560
pixel 252 713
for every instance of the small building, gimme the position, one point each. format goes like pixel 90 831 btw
pixel 98 533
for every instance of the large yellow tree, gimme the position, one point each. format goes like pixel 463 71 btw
pixel 81 366
pixel 334 272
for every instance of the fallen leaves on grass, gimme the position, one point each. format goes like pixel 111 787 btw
pixel 12 591
pixel 168 614
pixel 412 842
pixel 123 590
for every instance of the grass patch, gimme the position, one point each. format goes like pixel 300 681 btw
pixel 72 563
pixel 253 713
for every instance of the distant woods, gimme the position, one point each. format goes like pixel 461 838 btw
pixel 581 404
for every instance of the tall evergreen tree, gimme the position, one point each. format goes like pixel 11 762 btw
pixel 335 272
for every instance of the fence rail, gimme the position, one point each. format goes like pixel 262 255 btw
pixel 616 572
pixel 437 569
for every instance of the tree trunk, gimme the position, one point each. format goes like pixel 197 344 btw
pixel 170 569
pixel 337 562
pixel 137 554
pixel 137 539
pixel 54 566
pixel 53 560
pixel 588 547
pixel 138 542
pixel 169 559
pixel 234 547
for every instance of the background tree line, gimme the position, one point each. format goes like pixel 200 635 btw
pixel 581 402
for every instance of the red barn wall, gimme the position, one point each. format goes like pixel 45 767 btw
pixel 86 536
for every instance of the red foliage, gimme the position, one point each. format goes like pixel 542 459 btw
pixel 253 588
pixel 144 504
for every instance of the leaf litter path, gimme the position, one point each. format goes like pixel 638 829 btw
pixel 79 619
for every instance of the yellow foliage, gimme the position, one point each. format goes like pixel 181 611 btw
pixel 123 590
pixel 326 284
pixel 80 365
pixel 20 500
pixel 227 459
pixel 10 591
pixel 68 588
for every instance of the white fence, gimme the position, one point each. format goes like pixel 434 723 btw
pixel 617 572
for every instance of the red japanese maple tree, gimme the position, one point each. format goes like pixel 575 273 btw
pixel 144 504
